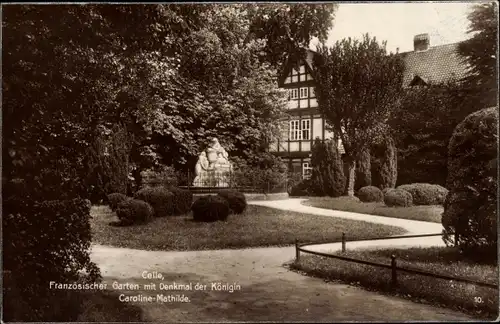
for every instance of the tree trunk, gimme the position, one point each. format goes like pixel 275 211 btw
pixel 350 173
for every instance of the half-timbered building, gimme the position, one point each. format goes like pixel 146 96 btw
pixel 425 65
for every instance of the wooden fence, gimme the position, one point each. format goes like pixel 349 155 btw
pixel 393 264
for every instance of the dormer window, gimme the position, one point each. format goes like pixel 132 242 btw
pixel 418 81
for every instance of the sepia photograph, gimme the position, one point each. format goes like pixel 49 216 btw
pixel 247 162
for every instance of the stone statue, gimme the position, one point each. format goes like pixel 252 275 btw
pixel 213 166
pixel 217 155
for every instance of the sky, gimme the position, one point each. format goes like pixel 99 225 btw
pixel 397 23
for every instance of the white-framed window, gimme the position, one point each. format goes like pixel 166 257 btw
pixel 304 92
pixel 306 129
pixel 294 93
pixel 306 170
pixel 300 129
pixel 295 130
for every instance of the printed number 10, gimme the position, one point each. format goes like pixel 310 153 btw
pixel 478 300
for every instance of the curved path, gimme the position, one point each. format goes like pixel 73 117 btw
pixel 412 227
pixel 268 291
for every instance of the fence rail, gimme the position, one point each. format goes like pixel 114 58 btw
pixel 203 190
pixel 253 181
pixel 393 266
pixel 376 238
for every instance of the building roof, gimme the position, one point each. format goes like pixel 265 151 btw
pixel 435 65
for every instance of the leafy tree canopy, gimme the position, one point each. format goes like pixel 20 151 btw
pixel 358 86
pixel 174 74
pixel 481 52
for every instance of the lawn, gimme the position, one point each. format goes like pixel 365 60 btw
pixel 352 204
pixel 480 301
pixel 256 227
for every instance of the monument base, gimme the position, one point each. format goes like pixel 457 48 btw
pixel 213 179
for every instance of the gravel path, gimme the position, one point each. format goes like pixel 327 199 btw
pixel 267 290
pixel 413 227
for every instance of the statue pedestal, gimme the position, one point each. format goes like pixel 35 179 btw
pixel 218 177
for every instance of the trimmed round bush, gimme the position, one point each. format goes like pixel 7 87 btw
pixel 398 198
pixel 236 200
pixel 470 210
pixel 210 209
pixel 115 199
pixel 134 211
pixel 426 193
pixel 182 200
pixel 370 194
pixel 161 199
pixel 385 190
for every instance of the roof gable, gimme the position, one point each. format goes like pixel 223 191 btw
pixel 307 60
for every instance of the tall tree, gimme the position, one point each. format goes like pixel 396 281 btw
pixel 363 169
pixel 318 157
pixel 333 170
pixel 358 86
pixel 385 162
pixel 481 52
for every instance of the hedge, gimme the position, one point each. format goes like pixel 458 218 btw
pixel 370 194
pixel 236 200
pixel 115 199
pixel 470 210
pixel 46 241
pixel 397 198
pixel 210 209
pixel 426 193
pixel 182 201
pixel 134 211
pixel 161 199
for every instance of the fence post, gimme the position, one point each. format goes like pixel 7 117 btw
pixel 343 242
pixel 394 278
pixel 297 251
pixel 188 182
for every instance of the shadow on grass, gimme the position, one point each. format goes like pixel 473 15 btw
pixel 70 306
pixel 479 301
pixel 104 306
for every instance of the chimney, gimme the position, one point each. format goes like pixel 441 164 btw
pixel 421 42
